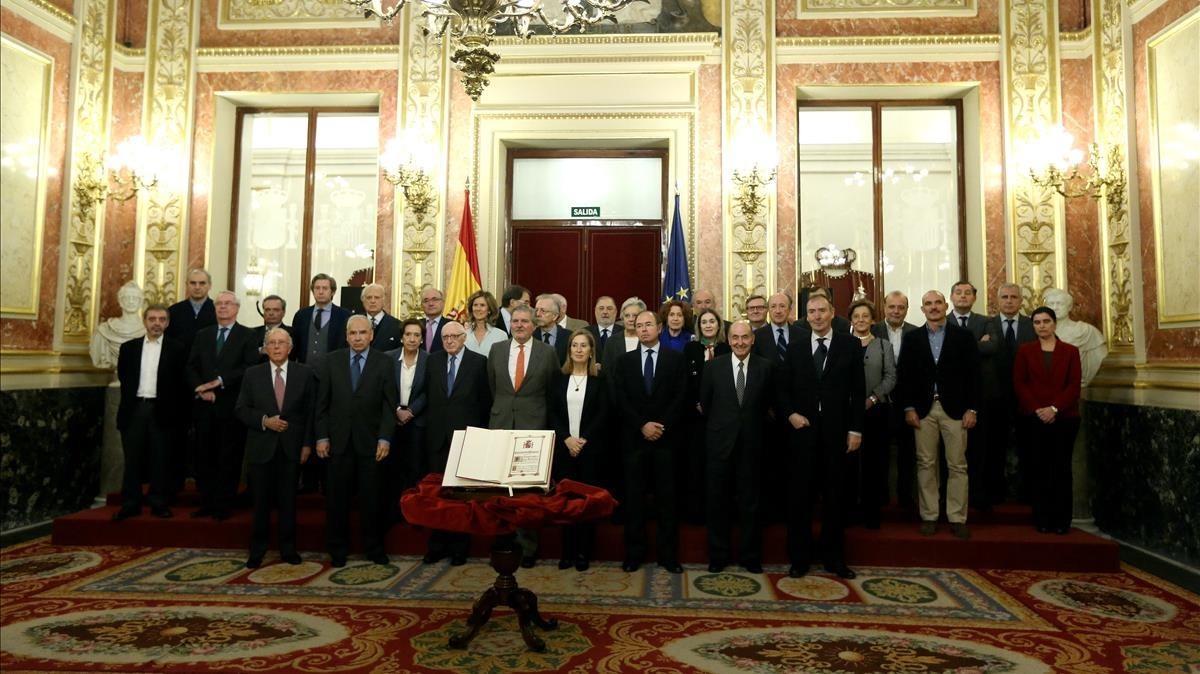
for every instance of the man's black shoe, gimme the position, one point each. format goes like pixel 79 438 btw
pixel 126 513
pixel 715 567
pixel 671 567
pixel 582 564
pixel 337 562
pixel 528 562
pixel 291 558
pixel 458 560
pixel 254 562
pixel 379 558
pixel 629 566
pixel 564 564
pixel 433 557
pixel 752 567
pixel 798 571
pixel 842 572
pixel 162 512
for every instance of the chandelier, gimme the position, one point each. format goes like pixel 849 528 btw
pixel 472 25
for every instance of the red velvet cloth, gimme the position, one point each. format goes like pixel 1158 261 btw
pixel 569 502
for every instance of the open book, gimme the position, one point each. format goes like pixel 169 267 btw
pixel 480 457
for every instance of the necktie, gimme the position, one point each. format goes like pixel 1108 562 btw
pixel 374 323
pixel 546 337
pixel 519 375
pixel 430 327
pixel 451 373
pixel 781 343
pixel 962 320
pixel 279 388
pixel 1010 337
pixel 819 356
pixel 603 339
pixel 740 385
pixel 317 319
pixel 221 339
pixel 648 371
pixel 356 371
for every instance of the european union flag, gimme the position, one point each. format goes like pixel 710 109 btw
pixel 676 283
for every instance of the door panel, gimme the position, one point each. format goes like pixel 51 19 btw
pixel 624 263
pixel 550 259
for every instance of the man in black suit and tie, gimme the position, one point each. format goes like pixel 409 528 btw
pixel 385 327
pixel 546 314
pixel 513 297
pixel 822 399
pixel 321 328
pixel 276 405
pixel 457 395
pixel 771 340
pixel 962 296
pixel 218 360
pixel 1007 331
pixel 356 417
pixel 937 381
pixel 190 315
pixel 735 393
pixel 893 327
pixel 274 308
pixel 150 371
pixel 433 302
pixel 651 384
pixel 605 326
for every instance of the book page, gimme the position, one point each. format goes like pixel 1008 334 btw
pixel 484 454
pixel 528 458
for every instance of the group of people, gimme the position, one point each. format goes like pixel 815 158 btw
pixel 677 411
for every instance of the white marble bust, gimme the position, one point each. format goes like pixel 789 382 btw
pixel 106 342
pixel 1084 336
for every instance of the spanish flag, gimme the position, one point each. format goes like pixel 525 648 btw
pixel 464 275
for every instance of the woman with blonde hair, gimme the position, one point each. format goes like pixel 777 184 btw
pixel 482 333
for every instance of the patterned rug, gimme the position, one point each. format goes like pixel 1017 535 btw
pixel 120 609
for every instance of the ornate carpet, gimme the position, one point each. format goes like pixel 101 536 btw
pixel 122 609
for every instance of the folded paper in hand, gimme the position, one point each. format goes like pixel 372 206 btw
pixel 481 457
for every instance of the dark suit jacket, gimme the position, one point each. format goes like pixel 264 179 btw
pixel 468 405
pixel 764 338
pixel 727 421
pixel 665 401
pixel 257 400
pixel 562 342
pixel 171 393
pixel 260 337
pixel 302 323
pixel 615 348
pixel 837 398
pixel 205 364
pixel 1001 381
pixel 387 334
pixel 184 323
pixel 501 324
pixel 355 420
pixel 594 420
pixel 880 330
pixel 614 330
pixel 416 396
pixel 1060 387
pixel 693 355
pixel 956 373
pixel 528 408
pixel 437 335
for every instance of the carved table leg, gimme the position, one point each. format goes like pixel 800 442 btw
pixel 506 592
pixel 478 618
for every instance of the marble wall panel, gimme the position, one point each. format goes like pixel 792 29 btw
pixel 67 6
pixel 987 20
pixel 208 85
pixel 49 452
pixel 212 35
pixel 38 334
pixel 1145 464
pixel 132 18
pixel 1085 265
pixel 710 225
pixel 987 74
pixel 1172 344
pixel 120 219
pixel 1073 15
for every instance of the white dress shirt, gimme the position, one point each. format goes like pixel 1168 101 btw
pixel 631 343
pixel 894 336
pixel 406 379
pixel 734 362
pixel 513 351
pixel 575 397
pixel 657 347
pixel 148 374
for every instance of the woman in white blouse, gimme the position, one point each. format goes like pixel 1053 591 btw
pixel 406 463
pixel 482 333
pixel 579 411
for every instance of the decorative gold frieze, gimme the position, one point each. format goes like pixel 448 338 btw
pixel 92 77
pixel 1029 30
pixel 276 52
pixel 748 74
pixel 166 122
pixel 280 11
pixel 905 6
pixel 971 40
pixel 1112 131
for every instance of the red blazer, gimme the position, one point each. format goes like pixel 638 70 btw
pixel 1035 387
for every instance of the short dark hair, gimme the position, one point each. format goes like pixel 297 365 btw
pixel 323 277
pixel 282 301
pixel 513 292
pixel 863 303
pixel 411 321
pixel 157 306
pixel 974 290
pixel 1044 310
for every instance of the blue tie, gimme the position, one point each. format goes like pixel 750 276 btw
pixel 781 344
pixel 648 371
pixel 356 371
pixel 450 374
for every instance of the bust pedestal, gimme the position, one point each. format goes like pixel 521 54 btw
pixel 112 454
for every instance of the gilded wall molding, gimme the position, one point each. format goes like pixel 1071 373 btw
pixel 748 80
pixel 858 9
pixel 290 15
pixel 423 112
pixel 167 125
pixel 888 48
pixel 44 15
pixel 1029 32
pixel 90 103
pixel 1112 130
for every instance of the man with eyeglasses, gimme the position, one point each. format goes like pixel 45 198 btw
pixel 756 311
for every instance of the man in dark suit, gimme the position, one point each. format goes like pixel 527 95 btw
pixel 406 462
pixel 274 308
pixel 276 406
pixel 218 360
pixel 756 311
pixel 356 416
pixel 546 314
pixel 605 326
pixel 321 328
pixel 150 371
pixel 457 395
pixel 513 297
pixel 893 327
pixel 385 327
pixel 963 296
pixel 433 302
pixel 650 386
pixel 1006 331
pixel 771 340
pixel 938 387
pixel 735 393
pixel 822 399
pixel 190 315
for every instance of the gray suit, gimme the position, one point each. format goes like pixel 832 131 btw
pixel 527 408
pixel 879 367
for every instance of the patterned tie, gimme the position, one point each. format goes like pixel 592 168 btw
pixel 450 374
pixel 374 324
pixel 603 339
pixel 279 388
pixel 430 327
pixel 781 343
pixel 356 371
pixel 741 382
pixel 819 356
pixel 317 319
pixel 648 371
pixel 519 375
pixel 221 339
pixel 1010 337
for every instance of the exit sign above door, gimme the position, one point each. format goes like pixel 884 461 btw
pixel 585 211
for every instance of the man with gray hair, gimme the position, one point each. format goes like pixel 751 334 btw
pixel 627 339
pixel 546 314
pixel 273 309
pixel 1006 331
pixel 219 357
pixel 386 328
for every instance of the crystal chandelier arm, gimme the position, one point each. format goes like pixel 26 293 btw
pixel 375 8
pixel 584 13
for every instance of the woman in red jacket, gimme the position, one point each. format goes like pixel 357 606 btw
pixel 1046 378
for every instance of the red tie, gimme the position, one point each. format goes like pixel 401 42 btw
pixel 279 388
pixel 519 376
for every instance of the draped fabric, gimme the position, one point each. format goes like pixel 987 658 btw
pixel 571 502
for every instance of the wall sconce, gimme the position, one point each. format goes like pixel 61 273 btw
pixel 120 177
pixel 403 167
pixel 1060 166
pixel 751 196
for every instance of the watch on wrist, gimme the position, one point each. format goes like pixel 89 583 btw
pixel 1054 409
